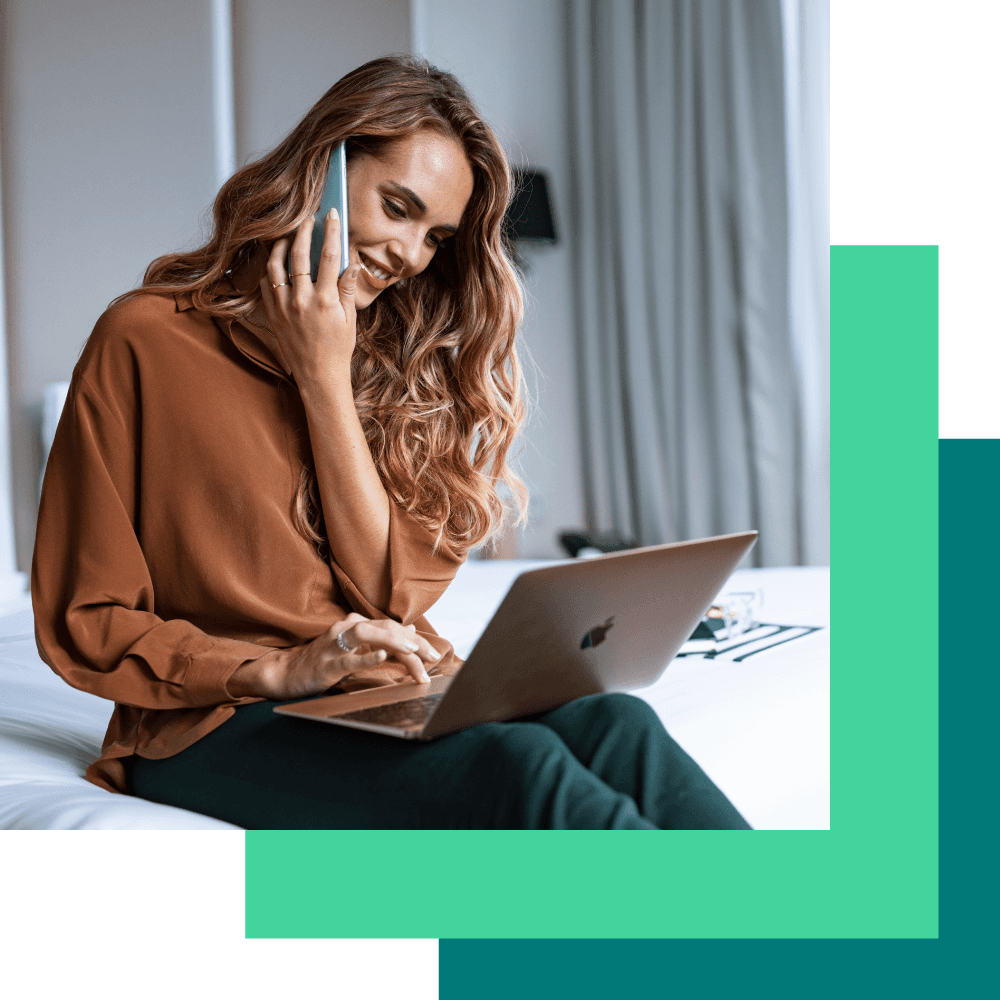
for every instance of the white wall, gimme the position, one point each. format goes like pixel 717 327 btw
pixel 108 161
pixel 287 55
pixel 510 56
pixel 12 583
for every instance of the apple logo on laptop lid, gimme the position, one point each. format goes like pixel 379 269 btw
pixel 597 634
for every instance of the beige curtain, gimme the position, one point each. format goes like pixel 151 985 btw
pixel 691 419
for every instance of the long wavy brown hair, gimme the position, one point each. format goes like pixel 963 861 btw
pixel 437 381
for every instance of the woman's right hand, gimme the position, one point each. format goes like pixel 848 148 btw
pixel 314 323
pixel 302 671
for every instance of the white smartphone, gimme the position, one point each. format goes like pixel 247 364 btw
pixel 334 196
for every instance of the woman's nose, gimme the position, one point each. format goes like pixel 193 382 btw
pixel 407 251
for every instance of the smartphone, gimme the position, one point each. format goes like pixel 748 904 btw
pixel 334 196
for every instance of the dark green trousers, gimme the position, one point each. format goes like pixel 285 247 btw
pixel 603 762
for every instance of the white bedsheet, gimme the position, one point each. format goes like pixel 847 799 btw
pixel 49 733
pixel 760 728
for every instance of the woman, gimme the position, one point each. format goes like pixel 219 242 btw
pixel 261 483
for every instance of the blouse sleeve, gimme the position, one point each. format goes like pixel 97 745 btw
pixel 90 585
pixel 418 573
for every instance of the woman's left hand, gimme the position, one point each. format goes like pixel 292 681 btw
pixel 314 324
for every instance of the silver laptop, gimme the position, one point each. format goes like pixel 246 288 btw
pixel 611 623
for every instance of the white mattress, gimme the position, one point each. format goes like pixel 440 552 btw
pixel 760 728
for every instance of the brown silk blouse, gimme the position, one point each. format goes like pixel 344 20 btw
pixel 166 554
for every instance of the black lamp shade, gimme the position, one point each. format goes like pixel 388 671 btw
pixel 530 214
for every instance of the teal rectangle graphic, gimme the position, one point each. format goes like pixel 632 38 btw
pixel 873 875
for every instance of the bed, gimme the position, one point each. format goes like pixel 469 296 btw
pixel 758 725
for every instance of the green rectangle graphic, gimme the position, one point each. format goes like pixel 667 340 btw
pixel 874 874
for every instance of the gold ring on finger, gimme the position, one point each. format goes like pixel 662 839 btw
pixel 300 274
pixel 279 284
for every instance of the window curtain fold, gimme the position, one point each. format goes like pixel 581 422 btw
pixel 691 413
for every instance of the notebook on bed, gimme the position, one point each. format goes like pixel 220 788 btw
pixel 611 623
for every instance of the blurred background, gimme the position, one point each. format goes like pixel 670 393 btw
pixel 677 314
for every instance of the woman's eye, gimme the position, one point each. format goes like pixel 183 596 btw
pixel 398 212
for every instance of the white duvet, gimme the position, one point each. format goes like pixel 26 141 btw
pixel 759 727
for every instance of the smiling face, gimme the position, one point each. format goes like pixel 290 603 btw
pixel 401 205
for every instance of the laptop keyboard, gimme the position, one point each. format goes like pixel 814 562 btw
pixel 404 714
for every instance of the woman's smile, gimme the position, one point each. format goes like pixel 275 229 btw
pixel 376 275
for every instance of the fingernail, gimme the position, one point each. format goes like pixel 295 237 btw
pixel 434 654
pixel 424 678
pixel 381 654
pixel 332 214
pixel 410 647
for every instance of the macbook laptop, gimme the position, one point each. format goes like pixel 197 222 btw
pixel 611 623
